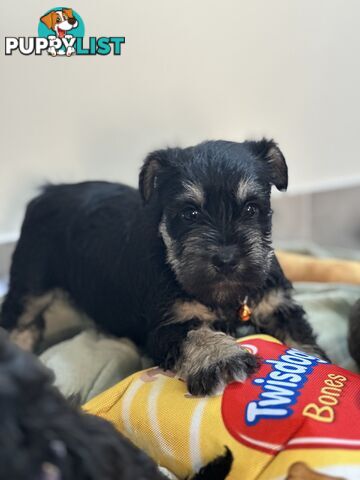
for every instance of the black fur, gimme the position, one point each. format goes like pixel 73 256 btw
pixel 218 468
pixel 354 332
pixel 42 437
pixel 128 258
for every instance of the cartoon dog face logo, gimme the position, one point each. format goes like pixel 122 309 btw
pixel 61 21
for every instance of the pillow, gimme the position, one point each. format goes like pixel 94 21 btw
pixel 90 363
pixel 297 407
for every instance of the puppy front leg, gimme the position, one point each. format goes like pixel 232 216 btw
pixel 280 316
pixel 206 359
pixel 210 360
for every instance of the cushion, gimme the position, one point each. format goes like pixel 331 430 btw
pixel 91 362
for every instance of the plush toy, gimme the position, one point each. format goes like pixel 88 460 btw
pixel 295 408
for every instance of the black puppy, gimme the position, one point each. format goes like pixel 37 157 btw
pixel 354 332
pixel 42 437
pixel 170 266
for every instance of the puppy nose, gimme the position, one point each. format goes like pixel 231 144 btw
pixel 225 259
pixel 72 20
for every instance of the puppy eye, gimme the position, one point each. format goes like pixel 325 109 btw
pixel 251 209
pixel 190 215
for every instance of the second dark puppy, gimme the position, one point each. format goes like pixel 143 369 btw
pixel 170 266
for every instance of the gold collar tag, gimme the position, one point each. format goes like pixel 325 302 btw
pixel 245 311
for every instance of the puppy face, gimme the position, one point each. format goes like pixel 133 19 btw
pixel 61 21
pixel 214 201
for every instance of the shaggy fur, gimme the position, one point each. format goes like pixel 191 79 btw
pixel 182 253
pixel 354 332
pixel 42 437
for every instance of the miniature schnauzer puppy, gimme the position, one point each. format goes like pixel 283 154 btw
pixel 172 266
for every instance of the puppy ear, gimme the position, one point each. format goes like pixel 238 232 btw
pixel 48 20
pixel 68 12
pixel 269 151
pixel 149 173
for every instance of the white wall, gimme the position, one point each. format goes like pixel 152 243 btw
pixel 190 70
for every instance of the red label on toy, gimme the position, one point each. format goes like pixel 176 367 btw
pixel 295 400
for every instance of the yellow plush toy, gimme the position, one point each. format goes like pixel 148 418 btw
pixel 296 408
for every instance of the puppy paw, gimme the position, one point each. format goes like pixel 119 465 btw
pixel 213 379
pixel 317 352
pixel 311 349
pixel 211 360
